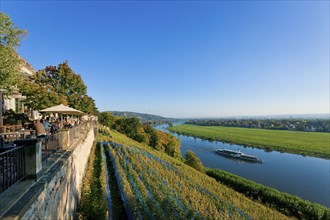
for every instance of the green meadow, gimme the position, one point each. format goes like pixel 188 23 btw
pixel 306 143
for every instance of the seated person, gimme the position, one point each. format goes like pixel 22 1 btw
pixel 40 129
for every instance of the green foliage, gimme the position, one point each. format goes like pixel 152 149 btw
pixel 63 81
pixel 170 148
pixel 287 204
pixel 39 97
pixel 106 119
pixel 193 161
pixel 307 143
pixel 12 118
pixel 153 138
pixel 10 37
pixel 88 105
pixel 133 128
pixel 169 144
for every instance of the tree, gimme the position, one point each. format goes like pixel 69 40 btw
pixel 10 38
pixel 87 105
pixel 193 161
pixel 39 97
pixel 106 119
pixel 170 148
pixel 131 127
pixel 153 138
pixel 65 82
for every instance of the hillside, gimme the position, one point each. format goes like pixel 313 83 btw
pixel 145 118
pixel 154 185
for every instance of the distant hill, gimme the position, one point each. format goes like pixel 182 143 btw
pixel 145 118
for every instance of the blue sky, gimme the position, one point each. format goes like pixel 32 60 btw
pixel 186 58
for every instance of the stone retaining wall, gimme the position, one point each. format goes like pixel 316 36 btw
pixel 56 194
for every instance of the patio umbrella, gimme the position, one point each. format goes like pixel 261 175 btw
pixel 62 109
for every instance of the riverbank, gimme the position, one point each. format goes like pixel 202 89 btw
pixel 289 205
pixel 306 143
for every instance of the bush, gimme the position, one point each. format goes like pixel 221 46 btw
pixel 193 161
pixel 12 118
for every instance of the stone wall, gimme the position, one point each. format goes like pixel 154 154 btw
pixel 57 193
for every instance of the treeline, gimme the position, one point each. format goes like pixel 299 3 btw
pixel 312 125
pixel 143 133
pixel 287 204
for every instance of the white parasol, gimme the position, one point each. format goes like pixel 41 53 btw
pixel 62 109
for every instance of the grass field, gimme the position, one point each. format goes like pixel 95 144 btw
pixel 307 143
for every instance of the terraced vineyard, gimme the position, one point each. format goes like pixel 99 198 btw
pixel 154 185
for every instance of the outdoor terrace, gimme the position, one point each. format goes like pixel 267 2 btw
pixel 25 159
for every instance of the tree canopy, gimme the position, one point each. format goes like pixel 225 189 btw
pixel 39 97
pixel 58 84
pixel 10 38
pixel 106 119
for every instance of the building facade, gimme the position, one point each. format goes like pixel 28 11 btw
pixel 15 101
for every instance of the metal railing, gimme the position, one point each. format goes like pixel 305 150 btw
pixel 12 160
pixel 12 167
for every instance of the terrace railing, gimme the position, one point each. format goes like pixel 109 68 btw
pixel 25 161
pixel 10 128
pixel 12 167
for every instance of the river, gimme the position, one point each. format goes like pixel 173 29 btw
pixel 306 177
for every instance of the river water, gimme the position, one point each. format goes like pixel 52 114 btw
pixel 306 177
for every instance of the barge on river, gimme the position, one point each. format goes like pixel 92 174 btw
pixel 238 155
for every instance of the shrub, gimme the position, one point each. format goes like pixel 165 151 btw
pixel 193 161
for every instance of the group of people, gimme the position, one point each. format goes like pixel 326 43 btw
pixel 44 127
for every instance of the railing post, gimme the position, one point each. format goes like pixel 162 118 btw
pixel 33 156
pixel 64 139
